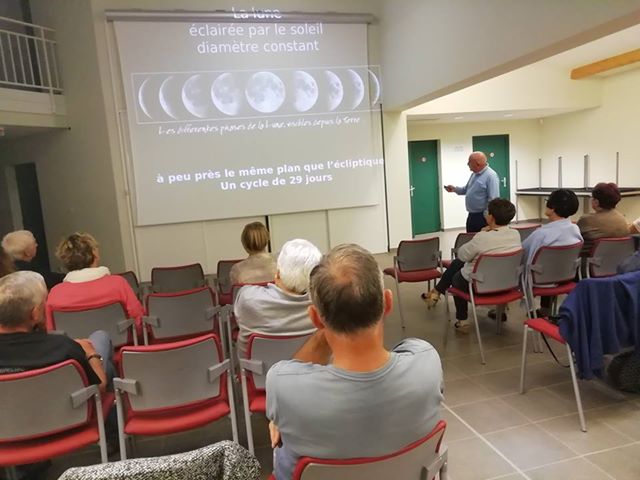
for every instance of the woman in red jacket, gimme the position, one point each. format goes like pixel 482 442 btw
pixel 87 285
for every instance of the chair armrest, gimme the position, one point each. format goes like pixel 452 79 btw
pixel 254 366
pixel 211 280
pixel 215 371
pixel 126 385
pixel 123 325
pixel 478 277
pixel 81 396
pixel 597 261
pixel 438 462
pixel 211 312
pixel 145 288
pixel 151 320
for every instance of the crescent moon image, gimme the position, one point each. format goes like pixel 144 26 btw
pixel 225 94
pixel 196 96
pixel 335 90
pixel 169 95
pixel 265 92
pixel 305 91
pixel 357 87
pixel 148 98
pixel 374 87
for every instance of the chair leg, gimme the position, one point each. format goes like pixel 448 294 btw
pixel 475 321
pixel 121 434
pixel 448 326
pixel 523 365
pixel 576 389
pixel 232 405
pixel 247 413
pixel 400 305
pixel 102 440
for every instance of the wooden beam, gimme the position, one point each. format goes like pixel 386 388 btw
pixel 606 64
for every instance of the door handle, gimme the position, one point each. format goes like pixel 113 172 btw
pixel 411 190
pixel 504 182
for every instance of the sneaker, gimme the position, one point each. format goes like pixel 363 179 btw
pixel 493 313
pixel 462 326
pixel 431 298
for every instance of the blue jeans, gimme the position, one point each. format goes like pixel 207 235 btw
pixel 102 343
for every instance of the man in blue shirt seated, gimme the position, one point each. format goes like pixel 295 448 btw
pixel 344 395
pixel 560 231
pixel 482 187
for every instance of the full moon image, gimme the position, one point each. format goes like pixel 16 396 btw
pixel 196 96
pixel 169 96
pixel 265 92
pixel 226 95
pixel 305 91
pixel 357 88
pixel 148 98
pixel 374 88
pixel 334 90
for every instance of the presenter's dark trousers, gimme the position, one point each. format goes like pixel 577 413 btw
pixel 476 222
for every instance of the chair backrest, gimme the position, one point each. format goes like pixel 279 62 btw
pixel 112 318
pixel 177 279
pixel 416 255
pixel 497 272
pixel 607 254
pixel 268 350
pixel 132 280
pixel 37 403
pixel 182 314
pixel 411 463
pixel 172 375
pixel 555 264
pixel 525 230
pixel 223 272
pixel 463 238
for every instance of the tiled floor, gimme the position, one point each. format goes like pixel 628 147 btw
pixel 493 432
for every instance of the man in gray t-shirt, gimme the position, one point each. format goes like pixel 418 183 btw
pixel 368 401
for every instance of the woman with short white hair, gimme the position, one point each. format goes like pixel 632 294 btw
pixel 21 245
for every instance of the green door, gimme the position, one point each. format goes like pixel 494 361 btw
pixel 496 148
pixel 425 186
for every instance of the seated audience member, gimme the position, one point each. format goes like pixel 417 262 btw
pixel 280 308
pixel 634 227
pixel 259 267
pixel 496 237
pixel 606 221
pixel 88 285
pixel 24 342
pixel 21 245
pixel 560 231
pixel 6 263
pixel 367 401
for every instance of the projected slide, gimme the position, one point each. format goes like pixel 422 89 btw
pixel 241 119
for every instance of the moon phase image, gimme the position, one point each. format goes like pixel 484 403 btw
pixel 305 91
pixel 196 96
pixel 334 90
pixel 356 89
pixel 170 98
pixel 265 92
pixel 148 98
pixel 374 87
pixel 226 95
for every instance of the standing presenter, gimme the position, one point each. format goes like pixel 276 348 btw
pixel 482 187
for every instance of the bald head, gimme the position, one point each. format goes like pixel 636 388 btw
pixel 477 161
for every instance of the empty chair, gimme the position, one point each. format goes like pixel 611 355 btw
pixel 223 460
pixel 262 352
pixel 606 254
pixel 49 412
pixel 177 279
pixel 132 280
pixel 416 261
pixel 173 387
pixel 172 316
pixel 223 281
pixel 495 280
pixel 422 460
pixel 112 318
pixel 461 239
pixel 525 229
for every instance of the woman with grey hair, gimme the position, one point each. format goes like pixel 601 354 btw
pixel 22 247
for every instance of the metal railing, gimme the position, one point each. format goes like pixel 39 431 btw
pixel 28 57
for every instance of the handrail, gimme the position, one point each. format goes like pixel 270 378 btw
pixel 20 22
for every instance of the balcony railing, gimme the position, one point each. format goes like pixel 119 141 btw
pixel 28 57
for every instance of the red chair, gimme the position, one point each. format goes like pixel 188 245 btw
pixel 173 387
pixel 461 239
pixel 422 460
pixel 495 280
pixel 223 281
pixel 525 229
pixel 262 352
pixel 549 330
pixel 49 412
pixel 416 261
pixel 606 254
pixel 177 279
pixel 132 280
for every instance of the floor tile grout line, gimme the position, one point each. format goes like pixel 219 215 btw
pixel 568 460
pixel 487 442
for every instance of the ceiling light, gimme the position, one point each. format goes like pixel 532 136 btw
pixel 458 118
pixel 508 114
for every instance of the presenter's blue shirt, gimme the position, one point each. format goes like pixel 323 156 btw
pixel 481 188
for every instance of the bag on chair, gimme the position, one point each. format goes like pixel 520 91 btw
pixel 624 372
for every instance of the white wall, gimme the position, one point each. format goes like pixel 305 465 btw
pixel 455 147
pixel 600 132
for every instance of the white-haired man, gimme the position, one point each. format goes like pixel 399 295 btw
pixel 281 307
pixel 22 247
